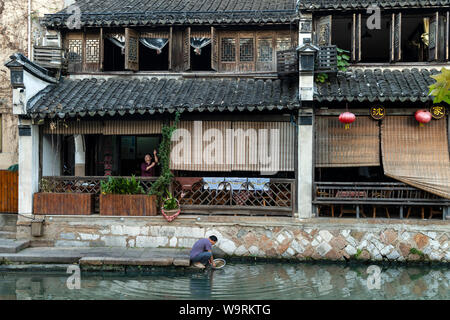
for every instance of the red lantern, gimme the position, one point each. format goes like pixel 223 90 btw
pixel 423 116
pixel 347 118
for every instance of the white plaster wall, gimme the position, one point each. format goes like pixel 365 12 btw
pixel 51 155
pixel 28 168
pixel 305 167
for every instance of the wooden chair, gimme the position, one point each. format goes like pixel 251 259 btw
pixel 422 212
pixel 432 212
pixel 319 207
pixel 374 208
pixel 352 210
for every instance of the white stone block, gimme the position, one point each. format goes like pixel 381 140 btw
pixel 345 233
pixel 227 246
pixel 167 231
pixel 186 242
pixel 326 235
pixel 114 241
pixel 151 242
pixel 323 248
pixel 189 232
pixel 280 238
pixel 69 243
pixel 350 250
pixel 173 242
pixel 432 235
pixel 241 251
pixel 253 250
pixel 88 236
pixel 297 247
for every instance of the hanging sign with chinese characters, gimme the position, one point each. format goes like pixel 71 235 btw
pixel 377 112
pixel 437 112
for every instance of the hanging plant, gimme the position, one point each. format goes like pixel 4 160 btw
pixel 347 118
pixel 164 181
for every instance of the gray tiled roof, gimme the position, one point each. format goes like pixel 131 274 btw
pixel 169 12
pixel 355 4
pixel 95 96
pixel 377 85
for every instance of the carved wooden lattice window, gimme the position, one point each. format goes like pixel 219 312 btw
pixel 246 49
pixel 228 50
pixel 132 51
pixel 265 52
pixel 75 50
pixel 283 43
pixel 92 51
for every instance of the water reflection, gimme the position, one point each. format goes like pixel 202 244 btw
pixel 239 281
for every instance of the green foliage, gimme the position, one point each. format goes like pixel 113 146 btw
pixel 164 181
pixel 321 77
pixel 170 203
pixel 440 90
pixel 47 186
pixel 119 185
pixel 357 254
pixel 343 59
pixel 416 251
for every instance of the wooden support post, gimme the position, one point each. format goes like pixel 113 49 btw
pixel 401 212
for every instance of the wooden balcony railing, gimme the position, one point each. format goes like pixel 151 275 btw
pixel 276 197
pixel 49 57
pixel 373 194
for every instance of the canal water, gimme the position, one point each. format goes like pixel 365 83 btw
pixel 239 281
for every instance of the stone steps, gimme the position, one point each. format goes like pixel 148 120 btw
pixel 7 235
pixel 12 245
pixel 7 220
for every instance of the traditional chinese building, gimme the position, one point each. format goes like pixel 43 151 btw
pixel 245 78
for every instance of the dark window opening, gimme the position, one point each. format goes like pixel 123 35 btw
pixel 413 45
pixel 150 60
pixel 375 42
pixel 202 61
pixel 352 174
pixel 341 32
pixel 68 156
pixel 114 59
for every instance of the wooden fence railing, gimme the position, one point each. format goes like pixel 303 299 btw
pixel 276 197
pixel 9 192
pixel 375 194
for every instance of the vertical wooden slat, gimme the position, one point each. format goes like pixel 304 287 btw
pixel 214 50
pixel 9 192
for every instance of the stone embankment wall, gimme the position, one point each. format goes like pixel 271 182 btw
pixel 314 239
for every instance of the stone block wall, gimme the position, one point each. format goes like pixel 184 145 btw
pixel 313 239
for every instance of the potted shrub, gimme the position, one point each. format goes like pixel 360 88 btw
pixel 61 203
pixel 125 197
pixel 170 207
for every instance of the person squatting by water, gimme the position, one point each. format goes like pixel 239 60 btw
pixel 201 252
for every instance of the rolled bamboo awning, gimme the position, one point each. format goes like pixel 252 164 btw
pixel 418 156
pixel 358 146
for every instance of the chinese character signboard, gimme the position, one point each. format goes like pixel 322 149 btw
pixel 377 112
pixel 437 112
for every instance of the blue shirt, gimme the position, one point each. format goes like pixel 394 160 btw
pixel 200 246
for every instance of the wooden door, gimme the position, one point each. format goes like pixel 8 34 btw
pixel 246 56
pixel 9 191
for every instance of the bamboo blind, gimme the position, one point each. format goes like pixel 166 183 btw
pixel 241 146
pixel 357 146
pixel 132 127
pixel 416 155
pixel 73 127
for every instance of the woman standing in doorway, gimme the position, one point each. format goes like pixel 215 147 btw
pixel 148 167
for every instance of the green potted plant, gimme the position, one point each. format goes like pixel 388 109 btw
pixel 125 197
pixel 170 207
